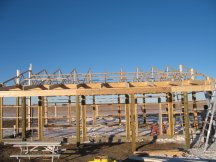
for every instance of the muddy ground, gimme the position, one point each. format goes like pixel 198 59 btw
pixel 84 153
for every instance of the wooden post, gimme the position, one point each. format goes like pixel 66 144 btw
pixel 195 114
pixel 133 133
pixel 29 113
pixel 174 109
pixel 17 115
pixel 160 116
pixel 170 114
pixel 127 118
pixel 83 104
pixel 186 117
pixel 55 110
pixel 119 109
pixel 40 119
pixel 144 110
pixel 23 118
pixel 77 121
pixel 1 120
pixel 183 109
pixel 69 111
pixel 46 111
pixel 136 118
pixel 94 112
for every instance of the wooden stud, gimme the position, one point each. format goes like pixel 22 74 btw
pixel 55 110
pixel 160 116
pixel 29 113
pixel 119 109
pixel 17 115
pixel 133 133
pixel 69 111
pixel 144 110
pixel 94 112
pixel 23 118
pixel 46 111
pixel 77 121
pixel 136 118
pixel 83 104
pixel 1 116
pixel 195 113
pixel 127 114
pixel 186 117
pixel 40 119
pixel 170 114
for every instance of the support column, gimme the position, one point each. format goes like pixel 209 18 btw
pixel 127 117
pixel 170 114
pixel 183 107
pixel 69 111
pixel 136 118
pixel 23 118
pixel 17 114
pixel 40 119
pixel 1 116
pixel 55 110
pixel 119 109
pixel 77 121
pixel 160 116
pixel 94 112
pixel 186 117
pixel 195 114
pixel 144 110
pixel 46 111
pixel 133 133
pixel 29 113
pixel 83 104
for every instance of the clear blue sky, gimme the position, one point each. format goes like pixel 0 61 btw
pixel 107 35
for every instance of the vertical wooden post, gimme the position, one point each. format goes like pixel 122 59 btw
pixel 17 115
pixel 133 134
pixel 170 114
pixel 195 114
pixel 97 110
pixel 83 104
pixel 1 120
pixel 77 121
pixel 160 116
pixel 69 111
pixel 46 111
pixel 55 110
pixel 119 109
pixel 183 109
pixel 40 119
pixel 94 112
pixel 136 118
pixel 186 117
pixel 23 118
pixel 144 109
pixel 29 113
pixel 127 118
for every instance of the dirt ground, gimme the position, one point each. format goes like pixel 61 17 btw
pixel 84 153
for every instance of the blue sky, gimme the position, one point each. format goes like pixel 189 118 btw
pixel 107 35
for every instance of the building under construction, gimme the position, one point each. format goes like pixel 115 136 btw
pixel 125 91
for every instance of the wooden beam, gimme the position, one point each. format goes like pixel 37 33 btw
pixel 133 125
pixel 94 112
pixel 29 115
pixel 136 118
pixel 23 118
pixel 77 121
pixel 17 114
pixel 69 111
pixel 195 113
pixel 83 104
pixel 187 125
pixel 46 105
pixel 1 116
pixel 127 117
pixel 160 116
pixel 170 114
pixel 40 119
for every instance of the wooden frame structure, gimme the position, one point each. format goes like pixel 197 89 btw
pixel 42 84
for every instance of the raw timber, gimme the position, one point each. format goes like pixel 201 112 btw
pixel 128 86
